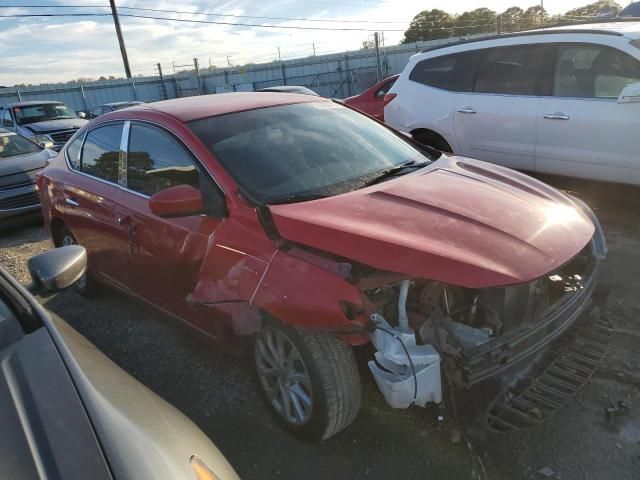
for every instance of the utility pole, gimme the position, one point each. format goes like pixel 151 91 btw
pixel 279 57
pixel 314 48
pixel 162 85
pixel 123 49
pixel 541 12
pixel 499 24
pixel 196 67
pixel 377 42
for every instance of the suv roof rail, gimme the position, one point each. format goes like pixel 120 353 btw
pixel 539 31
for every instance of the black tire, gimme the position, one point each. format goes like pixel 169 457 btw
pixel 86 285
pixel 334 378
pixel 432 139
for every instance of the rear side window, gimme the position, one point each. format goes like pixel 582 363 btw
pixel 101 152
pixel 593 71
pixel 73 151
pixel 7 121
pixel 155 161
pixel 453 72
pixel 517 70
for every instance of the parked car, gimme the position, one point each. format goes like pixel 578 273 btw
pixel 111 107
pixel 563 101
pixel 312 229
pixel 43 122
pixel 20 161
pixel 371 101
pixel 289 89
pixel 67 411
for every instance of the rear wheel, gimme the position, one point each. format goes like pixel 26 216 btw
pixel 432 139
pixel 85 285
pixel 309 380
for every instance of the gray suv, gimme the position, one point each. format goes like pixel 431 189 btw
pixel 48 123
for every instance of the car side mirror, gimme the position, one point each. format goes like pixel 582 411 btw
pixel 178 201
pixel 57 269
pixel 82 115
pixel 630 94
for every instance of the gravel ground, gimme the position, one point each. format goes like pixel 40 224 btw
pixel 217 392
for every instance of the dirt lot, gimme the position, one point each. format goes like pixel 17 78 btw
pixel 217 392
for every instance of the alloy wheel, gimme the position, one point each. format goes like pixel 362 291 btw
pixel 283 375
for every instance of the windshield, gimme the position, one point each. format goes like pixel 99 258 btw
pixel 304 150
pixel 12 144
pixel 41 113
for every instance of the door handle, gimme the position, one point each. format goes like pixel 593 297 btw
pixel 71 201
pixel 123 220
pixel 467 110
pixel 556 116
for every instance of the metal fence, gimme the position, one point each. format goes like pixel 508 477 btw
pixel 336 75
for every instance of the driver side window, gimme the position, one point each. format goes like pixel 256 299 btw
pixel 382 91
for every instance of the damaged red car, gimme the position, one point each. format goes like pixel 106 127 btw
pixel 312 229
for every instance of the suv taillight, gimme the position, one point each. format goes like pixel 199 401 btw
pixel 388 97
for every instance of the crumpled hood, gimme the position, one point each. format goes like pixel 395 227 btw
pixel 55 125
pixel 460 221
pixel 21 168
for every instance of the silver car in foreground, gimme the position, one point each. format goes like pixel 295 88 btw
pixel 68 412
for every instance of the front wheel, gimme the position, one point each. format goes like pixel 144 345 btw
pixel 309 380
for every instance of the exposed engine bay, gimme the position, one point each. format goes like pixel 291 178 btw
pixel 478 333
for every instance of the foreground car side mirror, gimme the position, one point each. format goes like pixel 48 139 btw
pixel 57 269
pixel 630 94
pixel 178 201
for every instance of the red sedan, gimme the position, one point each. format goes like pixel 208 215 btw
pixel 371 101
pixel 311 229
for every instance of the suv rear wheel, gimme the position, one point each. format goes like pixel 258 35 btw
pixel 309 380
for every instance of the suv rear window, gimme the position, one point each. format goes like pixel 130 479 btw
pixel 516 70
pixel 453 72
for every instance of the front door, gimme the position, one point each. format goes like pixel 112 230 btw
pixel 582 130
pixel 164 255
pixel 497 121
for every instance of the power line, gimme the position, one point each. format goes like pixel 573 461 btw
pixel 187 20
pixel 211 14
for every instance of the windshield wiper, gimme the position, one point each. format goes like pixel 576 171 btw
pixel 393 171
pixel 294 198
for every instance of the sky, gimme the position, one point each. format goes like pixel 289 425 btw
pixel 49 50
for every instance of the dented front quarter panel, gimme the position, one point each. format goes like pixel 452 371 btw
pixel 245 274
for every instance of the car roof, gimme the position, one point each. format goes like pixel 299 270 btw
pixel 203 106
pixel 32 102
pixel 618 27
pixel 289 89
pixel 127 102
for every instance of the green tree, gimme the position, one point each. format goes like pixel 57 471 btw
pixel 601 7
pixel 511 18
pixel 480 20
pixel 429 25
pixel 534 17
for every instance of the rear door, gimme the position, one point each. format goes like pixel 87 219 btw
pixel 496 122
pixel 164 255
pixel 90 195
pixel 582 130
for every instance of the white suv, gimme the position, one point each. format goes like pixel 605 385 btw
pixel 561 100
